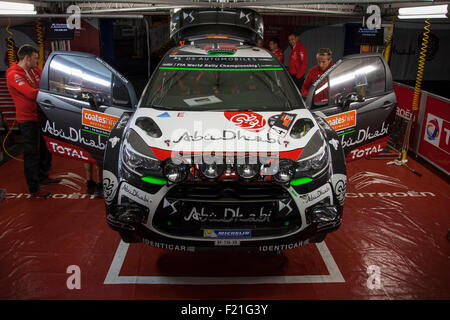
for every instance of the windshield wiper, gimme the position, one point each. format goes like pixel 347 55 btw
pixel 159 107
pixel 227 109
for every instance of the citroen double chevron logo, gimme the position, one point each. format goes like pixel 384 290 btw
pixel 246 16
pixel 169 204
pixel 186 15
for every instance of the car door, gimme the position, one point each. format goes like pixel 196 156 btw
pixel 356 97
pixel 80 98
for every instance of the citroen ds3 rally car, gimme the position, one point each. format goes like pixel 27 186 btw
pixel 221 150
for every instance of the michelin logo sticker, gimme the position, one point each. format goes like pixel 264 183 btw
pixel 226 234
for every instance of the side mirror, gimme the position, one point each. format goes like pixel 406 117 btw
pixel 89 97
pixel 349 98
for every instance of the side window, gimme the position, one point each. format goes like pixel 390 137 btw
pixel 363 76
pixel 77 76
pixel 120 94
pixel 321 94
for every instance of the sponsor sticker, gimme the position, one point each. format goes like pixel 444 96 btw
pixel 437 132
pixel 199 101
pixel 135 194
pixel 68 150
pixel 319 193
pixel 163 115
pixel 367 150
pixel 110 185
pixel 114 141
pixel 97 121
pixel 343 120
pixel 334 143
pixel 282 124
pixel 226 234
pixel 251 121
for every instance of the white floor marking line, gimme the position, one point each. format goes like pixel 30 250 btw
pixel 113 274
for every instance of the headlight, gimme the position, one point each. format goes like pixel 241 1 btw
pixel 320 160
pixel 137 162
pixel 285 172
pixel 211 171
pixel 176 172
pixel 314 164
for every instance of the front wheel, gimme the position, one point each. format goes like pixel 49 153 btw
pixel 129 238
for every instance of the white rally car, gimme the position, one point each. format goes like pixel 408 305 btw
pixel 221 150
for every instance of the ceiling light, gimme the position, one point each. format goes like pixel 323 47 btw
pixel 13 8
pixel 424 12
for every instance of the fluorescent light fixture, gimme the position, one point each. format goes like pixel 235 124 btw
pixel 424 12
pixel 13 8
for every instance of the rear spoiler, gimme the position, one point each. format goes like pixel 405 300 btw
pixel 244 25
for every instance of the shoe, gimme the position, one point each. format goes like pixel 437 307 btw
pixel 99 191
pixel 90 187
pixel 41 194
pixel 48 181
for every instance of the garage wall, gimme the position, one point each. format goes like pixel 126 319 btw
pixel 406 50
pixel 332 37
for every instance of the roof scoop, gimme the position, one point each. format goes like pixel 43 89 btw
pixel 220 49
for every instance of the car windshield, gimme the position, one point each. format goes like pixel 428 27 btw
pixel 222 88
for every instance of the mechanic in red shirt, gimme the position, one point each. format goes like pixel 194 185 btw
pixel 297 60
pixel 22 79
pixel 274 46
pixel 324 62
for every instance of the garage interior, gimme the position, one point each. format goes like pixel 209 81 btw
pixel 396 222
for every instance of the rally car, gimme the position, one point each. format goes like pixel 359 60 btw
pixel 221 151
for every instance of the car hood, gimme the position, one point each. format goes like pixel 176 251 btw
pixel 223 132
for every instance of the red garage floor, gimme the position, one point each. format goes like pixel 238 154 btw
pixel 395 225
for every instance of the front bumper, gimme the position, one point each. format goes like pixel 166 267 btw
pixel 196 217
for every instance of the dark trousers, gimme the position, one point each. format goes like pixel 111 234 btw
pixel 37 159
pixel 298 82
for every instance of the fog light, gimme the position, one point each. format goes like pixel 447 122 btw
pixel 129 214
pixel 247 171
pixel 285 172
pixel 324 214
pixel 175 172
pixel 212 170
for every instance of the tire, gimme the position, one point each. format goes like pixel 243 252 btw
pixel 318 238
pixel 129 237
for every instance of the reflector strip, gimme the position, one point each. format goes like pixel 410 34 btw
pixel 100 134
pixel 154 180
pixel 220 52
pixel 211 36
pixel 162 154
pixel 300 181
pixel 220 69
pixel 344 133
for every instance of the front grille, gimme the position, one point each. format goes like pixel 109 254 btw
pixel 193 209
pixel 232 191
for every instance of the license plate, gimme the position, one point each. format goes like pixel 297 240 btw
pixel 227 242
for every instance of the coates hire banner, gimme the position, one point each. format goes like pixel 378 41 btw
pixel 435 139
